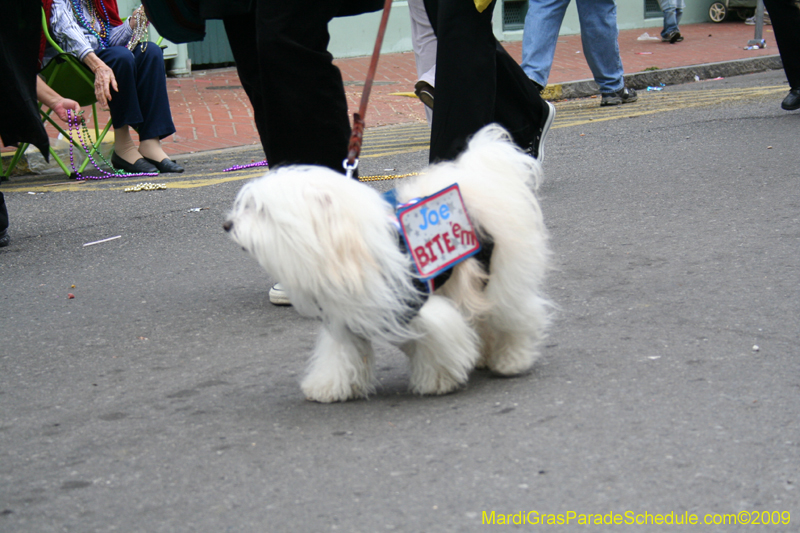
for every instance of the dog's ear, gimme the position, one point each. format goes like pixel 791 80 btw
pixel 326 213
pixel 337 226
pixel 323 199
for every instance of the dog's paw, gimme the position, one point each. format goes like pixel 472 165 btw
pixel 329 391
pixel 511 355
pixel 434 384
pixel 511 365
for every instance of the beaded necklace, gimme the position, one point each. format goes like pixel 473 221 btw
pixel 140 31
pixel 102 35
pixel 250 165
pixel 79 125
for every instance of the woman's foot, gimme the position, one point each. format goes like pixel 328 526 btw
pixel 165 165
pixel 156 156
pixel 140 166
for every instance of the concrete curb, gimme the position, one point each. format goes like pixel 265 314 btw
pixel 669 76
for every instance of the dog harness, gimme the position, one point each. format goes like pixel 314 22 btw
pixel 449 240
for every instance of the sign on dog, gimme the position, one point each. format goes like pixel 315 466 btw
pixel 438 232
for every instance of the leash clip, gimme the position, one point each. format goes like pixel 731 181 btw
pixel 350 168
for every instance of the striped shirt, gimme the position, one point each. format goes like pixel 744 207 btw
pixel 77 40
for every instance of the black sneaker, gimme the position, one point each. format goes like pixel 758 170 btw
pixel 623 96
pixel 792 100
pixel 4 238
pixel 536 148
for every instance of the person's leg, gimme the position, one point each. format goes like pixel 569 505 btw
pixel 679 7
pixel 519 107
pixel 423 40
pixel 124 147
pixel 466 80
pixel 599 35
pixel 241 31
pixel 124 104
pixel 151 92
pixel 539 37
pixel 4 238
pixel 304 97
pixel 141 103
pixel 669 9
pixel 785 16
pixel 150 83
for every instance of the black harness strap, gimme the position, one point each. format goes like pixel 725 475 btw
pixel 484 257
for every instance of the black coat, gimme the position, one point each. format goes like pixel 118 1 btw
pixel 183 21
pixel 19 53
pixel 218 9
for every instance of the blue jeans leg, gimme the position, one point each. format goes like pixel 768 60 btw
pixel 539 37
pixel 673 10
pixel 600 39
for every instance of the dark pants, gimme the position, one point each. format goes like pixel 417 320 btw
pixel 241 32
pixel 3 213
pixel 281 53
pixel 477 82
pixel 785 17
pixel 142 100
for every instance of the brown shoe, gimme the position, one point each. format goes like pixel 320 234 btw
pixel 424 92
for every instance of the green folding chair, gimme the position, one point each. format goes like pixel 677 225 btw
pixel 70 78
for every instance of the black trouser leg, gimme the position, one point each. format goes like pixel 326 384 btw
pixel 305 107
pixel 785 17
pixel 477 82
pixel 241 31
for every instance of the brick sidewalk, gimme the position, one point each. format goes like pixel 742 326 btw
pixel 211 110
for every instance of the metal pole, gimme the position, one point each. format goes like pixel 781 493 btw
pixel 758 41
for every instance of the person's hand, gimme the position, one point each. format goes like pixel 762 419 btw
pixel 104 80
pixel 139 11
pixel 55 101
pixel 61 106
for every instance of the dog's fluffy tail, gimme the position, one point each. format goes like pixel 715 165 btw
pixel 498 183
pixel 492 150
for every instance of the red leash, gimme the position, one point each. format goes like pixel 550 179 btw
pixel 354 148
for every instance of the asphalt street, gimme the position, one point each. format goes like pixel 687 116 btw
pixel 164 396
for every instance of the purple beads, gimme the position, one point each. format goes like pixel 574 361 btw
pixel 251 165
pixel 80 128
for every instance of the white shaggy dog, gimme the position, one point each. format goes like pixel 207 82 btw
pixel 332 243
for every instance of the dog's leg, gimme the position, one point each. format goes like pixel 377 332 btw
pixel 340 368
pixel 512 353
pixel 446 351
pixel 513 347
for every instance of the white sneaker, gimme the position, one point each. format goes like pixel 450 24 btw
pixel 751 21
pixel 278 295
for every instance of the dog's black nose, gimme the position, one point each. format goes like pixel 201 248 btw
pixel 227 225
